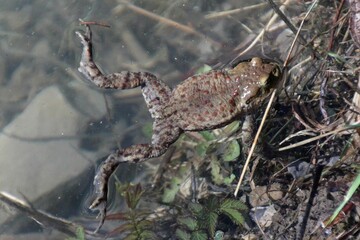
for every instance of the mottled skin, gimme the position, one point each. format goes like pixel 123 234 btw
pixel 205 101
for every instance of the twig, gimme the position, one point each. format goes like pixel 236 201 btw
pixel 255 142
pixel 233 11
pixel 168 22
pixel 323 92
pixel 338 10
pixel 316 180
pixel 82 22
pixel 344 128
pixel 297 34
pixel 286 20
pixel 261 34
pixel 44 219
pixel 272 96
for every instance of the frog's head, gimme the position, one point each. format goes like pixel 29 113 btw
pixel 268 72
pixel 258 77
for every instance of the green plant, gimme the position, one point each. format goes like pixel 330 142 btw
pixel 215 150
pixel 135 224
pixel 354 186
pixel 80 234
pixel 201 224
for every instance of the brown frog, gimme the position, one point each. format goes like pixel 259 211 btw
pixel 201 102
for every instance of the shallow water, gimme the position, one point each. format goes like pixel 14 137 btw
pixel 55 127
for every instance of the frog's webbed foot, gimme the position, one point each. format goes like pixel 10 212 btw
pixel 87 65
pixel 102 214
pixel 101 184
pixel 85 37
pixel 120 80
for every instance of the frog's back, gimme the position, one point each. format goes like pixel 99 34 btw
pixel 206 101
pixel 215 98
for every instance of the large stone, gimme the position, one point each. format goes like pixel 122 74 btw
pixel 38 148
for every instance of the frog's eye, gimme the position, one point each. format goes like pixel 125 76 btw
pixel 273 77
pixel 276 71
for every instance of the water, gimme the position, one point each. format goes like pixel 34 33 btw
pixel 55 127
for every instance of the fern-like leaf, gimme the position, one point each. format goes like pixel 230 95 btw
pixel 133 195
pixel 182 235
pixel 132 236
pixel 212 204
pixel 195 208
pixel 148 235
pixel 232 204
pixel 144 224
pixel 212 221
pixel 127 227
pixel 199 235
pixel 189 222
pixel 236 216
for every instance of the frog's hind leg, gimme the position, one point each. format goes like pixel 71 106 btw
pixel 164 135
pixel 155 92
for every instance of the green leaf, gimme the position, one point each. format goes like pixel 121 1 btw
pixel 170 193
pixel 144 224
pixel 229 180
pixel 212 221
pixel 133 195
pixel 212 204
pixel 205 68
pixel 215 171
pixel 121 188
pixel 201 149
pixel 199 235
pixel 80 234
pixel 231 207
pixel 229 203
pixel 232 151
pixel 207 218
pixel 234 215
pixel 148 235
pixel 127 227
pixel 182 235
pixel 132 236
pixel 231 128
pixel 337 57
pixel 189 222
pixel 208 135
pixel 195 208
pixel 354 186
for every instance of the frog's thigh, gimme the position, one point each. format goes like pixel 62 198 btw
pixel 156 94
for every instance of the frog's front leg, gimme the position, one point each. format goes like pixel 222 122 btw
pixel 156 93
pixel 122 80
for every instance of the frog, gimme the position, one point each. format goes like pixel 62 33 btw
pixel 201 102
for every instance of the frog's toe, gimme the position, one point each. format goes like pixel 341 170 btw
pixel 101 206
pixel 98 203
pixel 83 38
